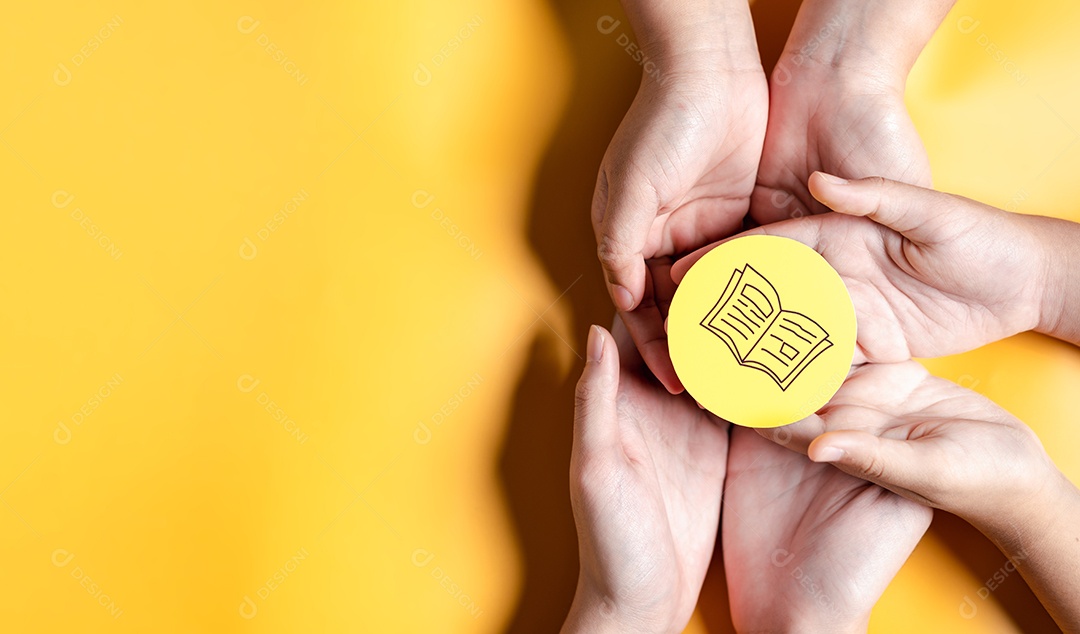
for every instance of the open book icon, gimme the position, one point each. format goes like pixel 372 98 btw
pixel 760 333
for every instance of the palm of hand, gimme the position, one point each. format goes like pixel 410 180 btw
pixel 654 505
pixel 694 146
pixel 805 543
pixel 975 445
pixel 916 300
pixel 821 126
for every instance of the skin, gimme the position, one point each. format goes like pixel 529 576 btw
pixel 682 171
pixel 808 548
pixel 930 274
pixel 929 270
pixel 682 166
pixel 647 477
pixel 711 139
pixel 837 101
pixel 935 443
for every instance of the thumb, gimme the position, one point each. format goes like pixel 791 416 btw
pixel 893 464
pixel 623 209
pixel 921 215
pixel 595 414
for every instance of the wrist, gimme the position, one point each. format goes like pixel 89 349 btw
pixel 808 627
pixel 1018 516
pixel 1028 525
pixel 693 36
pixel 876 41
pixel 593 612
pixel 1058 293
pixel 589 616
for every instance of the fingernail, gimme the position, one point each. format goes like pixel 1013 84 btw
pixel 835 180
pixel 623 299
pixel 829 454
pixel 594 349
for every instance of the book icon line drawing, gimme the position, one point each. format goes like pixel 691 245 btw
pixel 760 333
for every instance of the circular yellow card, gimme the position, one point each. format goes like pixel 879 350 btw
pixel 762 331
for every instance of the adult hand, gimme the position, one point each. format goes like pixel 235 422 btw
pixel 930 274
pixel 837 100
pixel 844 124
pixel 646 477
pixel 681 168
pixel 808 547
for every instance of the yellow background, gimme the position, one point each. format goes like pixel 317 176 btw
pixel 417 318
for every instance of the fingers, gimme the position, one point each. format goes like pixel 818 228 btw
pixel 889 462
pixel 921 215
pixel 646 323
pixel 624 207
pixel 595 419
pixel 629 357
pixel 805 230
pixel 683 264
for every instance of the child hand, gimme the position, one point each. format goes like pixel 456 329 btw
pixel 932 441
pixel 926 439
pixel 930 274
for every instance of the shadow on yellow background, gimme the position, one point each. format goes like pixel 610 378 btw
pixel 295 300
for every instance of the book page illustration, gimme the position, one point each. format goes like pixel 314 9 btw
pixel 749 319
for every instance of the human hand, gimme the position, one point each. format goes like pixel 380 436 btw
pixel 934 442
pixel 928 440
pixel 681 168
pixel 929 274
pixel 846 123
pixel 646 477
pixel 808 547
pixel 837 100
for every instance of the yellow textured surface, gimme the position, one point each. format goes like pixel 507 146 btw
pixel 294 299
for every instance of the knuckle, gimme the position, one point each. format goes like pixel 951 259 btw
pixel 610 252
pixel 873 467
pixel 879 188
pixel 600 198
pixel 583 394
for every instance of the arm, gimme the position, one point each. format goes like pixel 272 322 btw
pixel 867 39
pixel 695 34
pixel 1059 315
pixel 932 274
pixel 1041 537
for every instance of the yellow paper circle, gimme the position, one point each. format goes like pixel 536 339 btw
pixel 762 331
